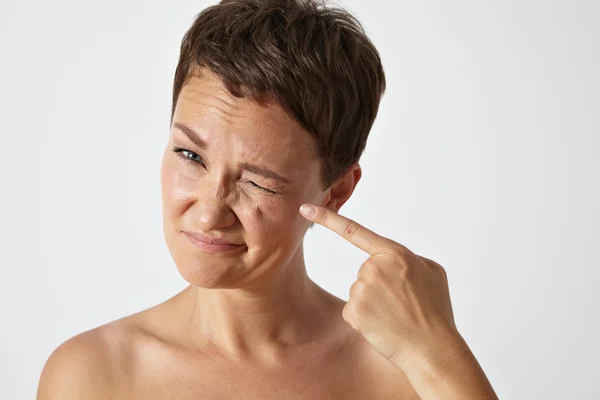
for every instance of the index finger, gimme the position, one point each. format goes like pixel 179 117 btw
pixel 350 230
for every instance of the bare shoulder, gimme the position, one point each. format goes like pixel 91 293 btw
pixel 99 363
pixel 78 368
pixel 90 365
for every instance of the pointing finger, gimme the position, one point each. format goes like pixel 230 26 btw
pixel 350 230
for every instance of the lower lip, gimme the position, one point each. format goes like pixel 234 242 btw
pixel 211 247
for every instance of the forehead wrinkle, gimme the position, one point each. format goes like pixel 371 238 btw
pixel 213 102
pixel 268 114
pixel 264 135
pixel 222 114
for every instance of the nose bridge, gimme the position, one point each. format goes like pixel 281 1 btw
pixel 214 210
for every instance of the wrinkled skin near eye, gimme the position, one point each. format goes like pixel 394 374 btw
pixel 214 183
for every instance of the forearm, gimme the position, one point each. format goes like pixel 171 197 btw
pixel 453 374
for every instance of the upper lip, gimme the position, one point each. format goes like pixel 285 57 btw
pixel 211 240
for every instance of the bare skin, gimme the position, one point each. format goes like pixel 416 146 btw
pixel 251 325
pixel 146 356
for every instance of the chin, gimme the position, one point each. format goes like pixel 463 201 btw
pixel 207 273
pixel 205 269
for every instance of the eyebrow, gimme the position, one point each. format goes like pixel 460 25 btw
pixel 255 169
pixel 267 173
pixel 191 134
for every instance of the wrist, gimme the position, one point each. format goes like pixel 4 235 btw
pixel 451 372
pixel 429 362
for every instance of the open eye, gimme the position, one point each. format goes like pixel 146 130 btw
pixel 187 155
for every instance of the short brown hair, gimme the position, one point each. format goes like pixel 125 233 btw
pixel 315 60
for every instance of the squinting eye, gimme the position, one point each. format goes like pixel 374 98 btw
pixel 260 187
pixel 185 155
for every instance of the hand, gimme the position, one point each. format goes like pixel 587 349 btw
pixel 400 302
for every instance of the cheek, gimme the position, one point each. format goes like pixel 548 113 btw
pixel 272 221
pixel 176 185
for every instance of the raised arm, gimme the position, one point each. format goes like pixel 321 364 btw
pixel 400 303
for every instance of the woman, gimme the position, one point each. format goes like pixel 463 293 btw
pixel 272 105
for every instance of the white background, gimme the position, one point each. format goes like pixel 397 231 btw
pixel 483 158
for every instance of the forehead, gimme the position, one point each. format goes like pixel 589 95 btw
pixel 263 132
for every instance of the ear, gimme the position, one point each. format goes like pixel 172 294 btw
pixel 342 189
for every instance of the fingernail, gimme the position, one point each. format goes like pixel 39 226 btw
pixel 308 211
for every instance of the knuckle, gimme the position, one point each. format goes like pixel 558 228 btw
pixel 399 253
pixel 442 270
pixel 351 229
pixel 358 289
pixel 373 269
pixel 444 273
pixel 435 266
pixel 403 268
pixel 430 262
pixel 400 259
pixel 348 312
pixel 323 218
pixel 405 272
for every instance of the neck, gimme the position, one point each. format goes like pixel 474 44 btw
pixel 261 321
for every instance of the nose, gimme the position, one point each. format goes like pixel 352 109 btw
pixel 213 212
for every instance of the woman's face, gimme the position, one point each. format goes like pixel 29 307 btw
pixel 236 171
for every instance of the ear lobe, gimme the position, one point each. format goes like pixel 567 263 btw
pixel 340 191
